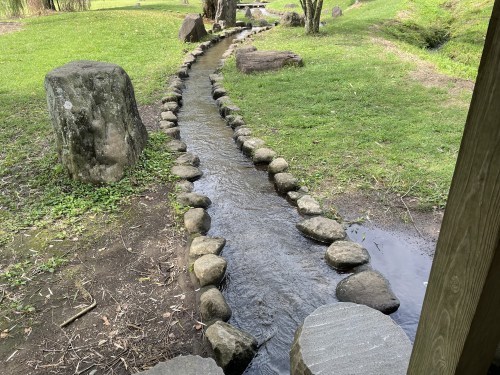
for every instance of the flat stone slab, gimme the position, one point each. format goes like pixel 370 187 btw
pixel 210 269
pixel 204 245
pixel 368 288
pixel 307 205
pixel 185 365
pixel 186 172
pixel 346 255
pixel 322 229
pixel 349 339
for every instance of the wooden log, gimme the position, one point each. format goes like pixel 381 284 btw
pixel 459 327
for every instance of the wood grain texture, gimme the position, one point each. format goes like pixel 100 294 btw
pixel 460 327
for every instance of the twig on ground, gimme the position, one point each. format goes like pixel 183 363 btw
pixel 81 313
pixel 408 210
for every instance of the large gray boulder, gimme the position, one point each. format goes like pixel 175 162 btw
pixel 197 220
pixel 349 339
pixel 346 255
pixel 210 269
pixel 99 133
pixel 321 229
pixel 234 349
pixel 204 245
pixel 368 288
pixel 292 19
pixel 248 61
pixel 185 365
pixel 213 306
pixel 192 29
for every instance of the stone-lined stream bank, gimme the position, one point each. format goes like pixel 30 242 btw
pixel 274 277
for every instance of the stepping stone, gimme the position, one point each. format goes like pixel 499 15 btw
pixel 169 116
pixel 322 229
pixel 349 339
pixel 368 288
pixel 210 269
pixel 193 200
pixel 251 145
pixel 186 172
pixel 278 165
pixel 170 106
pixel 184 186
pixel 263 155
pixel 188 159
pixel 167 124
pixel 307 205
pixel 285 182
pixel 176 146
pixel 233 348
pixel 185 365
pixel 213 306
pixel 242 131
pixel 346 255
pixel 204 245
pixel 174 132
pixel 197 220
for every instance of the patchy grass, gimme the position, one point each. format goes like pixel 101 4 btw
pixel 34 192
pixel 352 117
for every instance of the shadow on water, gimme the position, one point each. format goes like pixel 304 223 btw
pixel 276 277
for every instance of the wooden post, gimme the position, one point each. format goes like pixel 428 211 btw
pixel 460 323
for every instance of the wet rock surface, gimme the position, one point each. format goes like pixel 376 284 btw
pixel 210 269
pixel 321 229
pixel 97 140
pixel 368 288
pixel 186 172
pixel 197 220
pixel 204 245
pixel 307 205
pixel 213 306
pixel 345 255
pixel 185 365
pixel 346 339
pixel 233 348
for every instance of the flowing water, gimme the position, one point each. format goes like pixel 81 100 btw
pixel 276 277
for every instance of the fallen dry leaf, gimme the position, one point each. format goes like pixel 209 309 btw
pixel 105 320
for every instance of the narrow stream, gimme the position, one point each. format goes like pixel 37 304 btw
pixel 275 277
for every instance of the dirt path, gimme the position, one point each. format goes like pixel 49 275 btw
pixel 145 313
pixel 10 27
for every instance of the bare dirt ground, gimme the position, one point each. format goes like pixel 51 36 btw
pixel 137 275
pixel 10 27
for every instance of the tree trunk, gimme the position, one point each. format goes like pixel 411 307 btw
pixel 312 12
pixel 209 8
pixel 226 11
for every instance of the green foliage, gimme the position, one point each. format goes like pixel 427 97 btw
pixel 16 274
pixel 352 118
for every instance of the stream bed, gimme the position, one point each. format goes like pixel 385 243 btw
pixel 275 276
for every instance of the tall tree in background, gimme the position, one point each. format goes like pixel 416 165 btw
pixel 226 11
pixel 209 8
pixel 312 11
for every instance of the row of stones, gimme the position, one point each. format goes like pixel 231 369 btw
pixel 365 286
pixel 233 348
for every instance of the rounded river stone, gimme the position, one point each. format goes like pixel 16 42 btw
pixel 345 255
pixel 321 229
pixel 210 269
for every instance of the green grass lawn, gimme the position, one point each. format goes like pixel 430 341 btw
pixel 34 190
pixel 352 118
